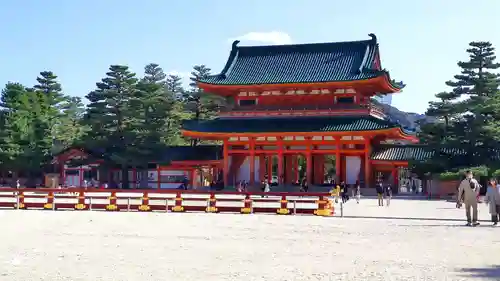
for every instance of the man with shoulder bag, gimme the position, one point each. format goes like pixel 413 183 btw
pixel 468 191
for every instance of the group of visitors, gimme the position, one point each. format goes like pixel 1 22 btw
pixel 342 190
pixel 468 195
pixel 383 192
pixel 242 186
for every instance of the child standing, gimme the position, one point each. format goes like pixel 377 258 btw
pixel 388 194
pixel 358 192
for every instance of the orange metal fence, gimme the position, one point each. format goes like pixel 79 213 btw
pixel 167 201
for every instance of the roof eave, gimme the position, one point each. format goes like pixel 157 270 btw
pixel 227 67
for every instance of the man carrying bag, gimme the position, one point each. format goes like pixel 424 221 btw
pixel 467 193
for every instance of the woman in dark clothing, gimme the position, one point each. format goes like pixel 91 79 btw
pixel 380 192
pixel 343 191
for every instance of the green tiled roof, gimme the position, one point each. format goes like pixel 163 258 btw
pixel 167 154
pixel 302 63
pixel 291 124
pixel 409 152
pixel 401 153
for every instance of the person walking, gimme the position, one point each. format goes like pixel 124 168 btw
pixel 380 192
pixel 358 192
pixel 333 191
pixel 493 200
pixel 467 193
pixel 388 194
pixel 267 187
pixel 343 191
pixel 304 186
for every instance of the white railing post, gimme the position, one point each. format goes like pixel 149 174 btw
pixel 17 200
pixel 166 205
pixel 128 204
pixel 294 207
pixel 90 203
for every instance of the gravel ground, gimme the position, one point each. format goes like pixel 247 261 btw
pixel 410 240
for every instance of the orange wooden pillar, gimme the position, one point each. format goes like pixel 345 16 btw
pixel 280 161
pixel 319 169
pixel 215 173
pixel 394 174
pixel 288 169
pixel 295 168
pixel 309 161
pixel 309 167
pixel 368 171
pixel 337 161
pixel 269 167
pixel 262 167
pixel 158 176
pixel 225 169
pixel 252 161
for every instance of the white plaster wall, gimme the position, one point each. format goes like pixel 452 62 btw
pixel 244 171
pixel 171 173
pixel 353 167
pixel 327 147
pixel 298 147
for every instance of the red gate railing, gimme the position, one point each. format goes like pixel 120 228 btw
pixel 283 203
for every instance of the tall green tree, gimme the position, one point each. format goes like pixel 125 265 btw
pixel 467 115
pixel 173 84
pixel 177 113
pixel 202 105
pixel 15 127
pixel 445 110
pixel 113 122
pixel 69 130
pixel 155 103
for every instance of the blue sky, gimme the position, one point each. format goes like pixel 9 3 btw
pixel 420 41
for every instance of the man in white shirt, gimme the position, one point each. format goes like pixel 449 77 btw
pixel 467 193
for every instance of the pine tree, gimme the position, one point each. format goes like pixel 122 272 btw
pixel 48 113
pixel 467 114
pixel 174 85
pixel 204 106
pixel 444 109
pixel 155 103
pixel 177 114
pixel 15 127
pixel 479 84
pixel 113 125
pixel 69 129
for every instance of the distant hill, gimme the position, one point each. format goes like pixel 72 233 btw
pixel 406 119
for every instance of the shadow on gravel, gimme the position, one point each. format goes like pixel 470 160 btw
pixel 444 225
pixel 406 218
pixel 432 225
pixel 492 272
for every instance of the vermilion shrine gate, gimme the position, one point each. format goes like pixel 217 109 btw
pixel 306 100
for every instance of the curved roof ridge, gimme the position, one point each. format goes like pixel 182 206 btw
pixel 302 63
pixel 372 41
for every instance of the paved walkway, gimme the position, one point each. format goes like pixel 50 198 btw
pixel 423 240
